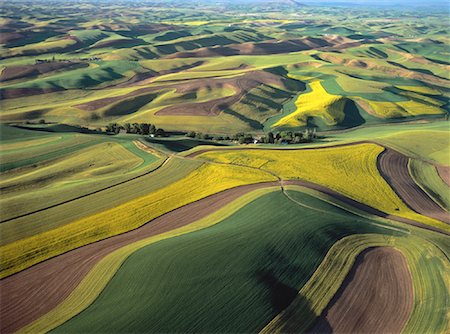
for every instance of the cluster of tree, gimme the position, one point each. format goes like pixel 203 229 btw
pixel 205 136
pixel 137 128
pixel 199 135
pixel 283 137
pixel 289 137
pixel 54 60
pixel 41 121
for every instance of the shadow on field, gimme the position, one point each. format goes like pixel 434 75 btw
pixel 352 116
pixel 281 294
pixel 322 325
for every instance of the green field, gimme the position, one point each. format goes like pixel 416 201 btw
pixel 247 290
pixel 224 167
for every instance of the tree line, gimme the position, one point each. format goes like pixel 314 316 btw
pixel 137 128
pixel 282 137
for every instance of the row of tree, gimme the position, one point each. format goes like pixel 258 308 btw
pixel 137 128
pixel 289 137
pixel 282 137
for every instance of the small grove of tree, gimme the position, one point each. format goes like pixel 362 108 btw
pixel 282 137
pixel 137 128
pixel 160 132
pixel 198 135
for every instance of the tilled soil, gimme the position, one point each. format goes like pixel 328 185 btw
pixel 376 297
pixel 444 173
pixel 393 166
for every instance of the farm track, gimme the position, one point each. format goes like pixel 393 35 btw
pixel 33 292
pixel 393 166
pixel 375 297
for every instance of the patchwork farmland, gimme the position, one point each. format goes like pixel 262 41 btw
pixel 232 167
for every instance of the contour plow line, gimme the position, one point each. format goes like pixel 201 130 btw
pixel 393 166
pixel 96 280
pixel 378 289
pixel 429 307
pixel 29 294
pixel 157 166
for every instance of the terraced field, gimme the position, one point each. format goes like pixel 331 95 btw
pixel 236 167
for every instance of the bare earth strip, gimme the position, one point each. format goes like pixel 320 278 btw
pixel 31 293
pixel 376 297
pixel 393 166
pixel 444 173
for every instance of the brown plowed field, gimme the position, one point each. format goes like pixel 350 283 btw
pixel 33 292
pixel 393 166
pixel 376 297
pixel 12 93
pixel 444 173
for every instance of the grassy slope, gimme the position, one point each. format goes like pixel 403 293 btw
pixel 78 173
pixel 430 145
pixel 211 291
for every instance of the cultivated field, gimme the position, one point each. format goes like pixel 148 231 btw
pixel 230 167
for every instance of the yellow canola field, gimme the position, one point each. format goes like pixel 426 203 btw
pixel 350 170
pixel 318 102
pixel 204 181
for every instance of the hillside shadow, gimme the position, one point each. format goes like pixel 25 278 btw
pixel 352 116
pixel 281 294
pixel 183 144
